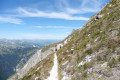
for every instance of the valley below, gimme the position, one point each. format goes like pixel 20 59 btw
pixel 15 53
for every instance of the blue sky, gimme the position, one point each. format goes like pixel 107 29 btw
pixel 45 19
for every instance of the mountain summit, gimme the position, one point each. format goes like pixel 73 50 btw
pixel 89 53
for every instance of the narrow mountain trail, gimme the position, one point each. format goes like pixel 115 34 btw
pixel 54 71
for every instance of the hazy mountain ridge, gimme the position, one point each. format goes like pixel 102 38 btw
pixel 11 54
pixel 15 53
pixel 37 57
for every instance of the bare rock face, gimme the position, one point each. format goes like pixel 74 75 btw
pixel 38 56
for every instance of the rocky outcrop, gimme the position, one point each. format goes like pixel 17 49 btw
pixel 38 56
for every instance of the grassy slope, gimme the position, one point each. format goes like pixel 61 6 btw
pixel 41 70
pixel 97 36
pixel 46 65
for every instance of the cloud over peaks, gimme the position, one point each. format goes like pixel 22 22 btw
pixel 37 13
pixel 10 20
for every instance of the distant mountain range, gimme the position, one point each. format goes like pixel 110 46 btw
pixel 15 53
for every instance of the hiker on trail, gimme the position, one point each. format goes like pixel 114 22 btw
pixel 60 47
pixel 55 48
pixel 97 17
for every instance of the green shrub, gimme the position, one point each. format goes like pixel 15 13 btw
pixel 85 66
pixel 84 74
pixel 111 43
pixel 112 62
pixel 118 59
pixel 82 45
pixel 99 58
pixel 88 51
pixel 94 35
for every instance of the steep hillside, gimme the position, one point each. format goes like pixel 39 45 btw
pixel 89 53
pixel 93 52
pixel 28 68
pixel 39 65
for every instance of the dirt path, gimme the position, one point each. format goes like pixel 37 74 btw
pixel 54 71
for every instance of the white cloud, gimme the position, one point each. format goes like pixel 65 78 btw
pixel 92 3
pixel 82 6
pixel 10 20
pixel 37 13
pixel 65 11
pixel 81 11
pixel 57 27
pixel 41 36
pixel 38 26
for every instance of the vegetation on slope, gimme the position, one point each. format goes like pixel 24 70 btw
pixel 94 51
pixel 41 70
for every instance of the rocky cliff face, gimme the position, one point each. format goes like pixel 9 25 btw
pixel 90 53
pixel 38 56
pixel 13 55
